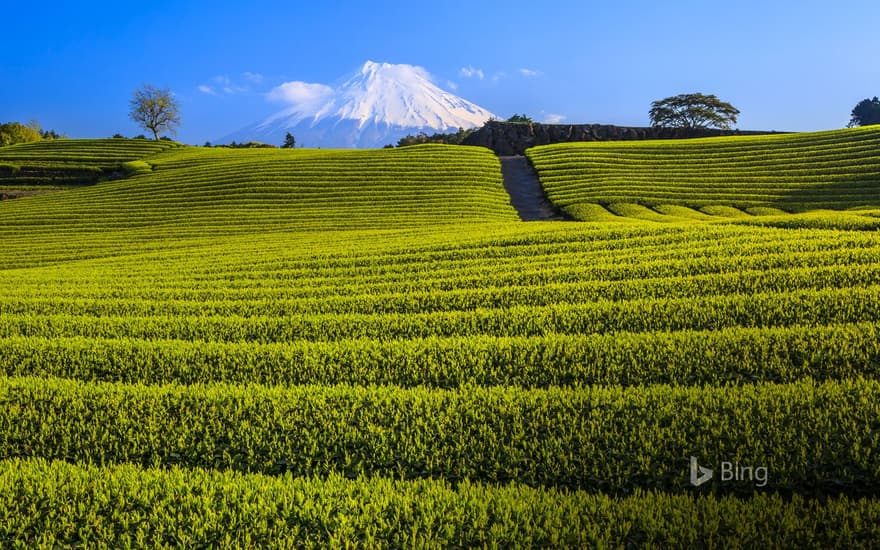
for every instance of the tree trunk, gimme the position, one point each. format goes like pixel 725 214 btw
pixel 155 134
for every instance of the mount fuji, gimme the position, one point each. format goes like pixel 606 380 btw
pixel 379 104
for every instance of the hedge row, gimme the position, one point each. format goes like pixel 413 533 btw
pixel 727 356
pixel 53 504
pixel 812 438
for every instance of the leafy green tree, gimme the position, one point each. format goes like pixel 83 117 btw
pixel 454 138
pixel 410 139
pixel 523 118
pixel 247 145
pixel 693 111
pixel 289 141
pixel 16 132
pixel 866 112
pixel 155 110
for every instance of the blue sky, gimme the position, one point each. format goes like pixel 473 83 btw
pixel 787 65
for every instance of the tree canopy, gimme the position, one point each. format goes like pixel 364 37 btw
pixel 693 111
pixel 866 112
pixel 523 118
pixel 16 132
pixel 155 110
pixel 454 138
pixel 289 141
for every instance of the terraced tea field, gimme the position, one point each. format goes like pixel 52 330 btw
pixel 65 163
pixel 319 348
pixel 698 179
pixel 195 192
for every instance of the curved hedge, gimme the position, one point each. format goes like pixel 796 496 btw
pixel 837 170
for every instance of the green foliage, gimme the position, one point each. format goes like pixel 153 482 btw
pixel 693 111
pixel 746 175
pixel 243 190
pixel 54 504
pixel 155 110
pixel 136 167
pixel 289 141
pixel 828 306
pixel 580 438
pixel 65 162
pixel 103 153
pixel 415 367
pixel 866 111
pixel 523 119
pixel 8 169
pixel 730 355
pixel 455 138
pixel 248 145
pixel 12 133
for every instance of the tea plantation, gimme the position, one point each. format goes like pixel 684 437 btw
pixel 733 177
pixel 248 348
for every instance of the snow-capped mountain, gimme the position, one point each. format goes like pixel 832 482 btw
pixel 377 105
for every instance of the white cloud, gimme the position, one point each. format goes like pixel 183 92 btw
pixel 298 92
pixel 451 85
pixel 471 72
pixel 256 78
pixel 498 76
pixel 552 118
pixel 529 73
pixel 226 85
pixel 207 90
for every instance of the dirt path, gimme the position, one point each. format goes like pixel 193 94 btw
pixel 526 193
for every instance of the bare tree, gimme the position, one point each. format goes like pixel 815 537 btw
pixel 155 110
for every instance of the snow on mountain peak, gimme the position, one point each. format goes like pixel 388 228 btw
pixel 376 105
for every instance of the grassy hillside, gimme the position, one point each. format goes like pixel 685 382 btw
pixel 101 153
pixel 66 162
pixel 728 177
pixel 364 347
pixel 191 192
pixel 280 188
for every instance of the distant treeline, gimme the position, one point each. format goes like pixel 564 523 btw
pixel 16 132
pixel 232 145
pixel 247 145
pixel 140 136
pixel 455 138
